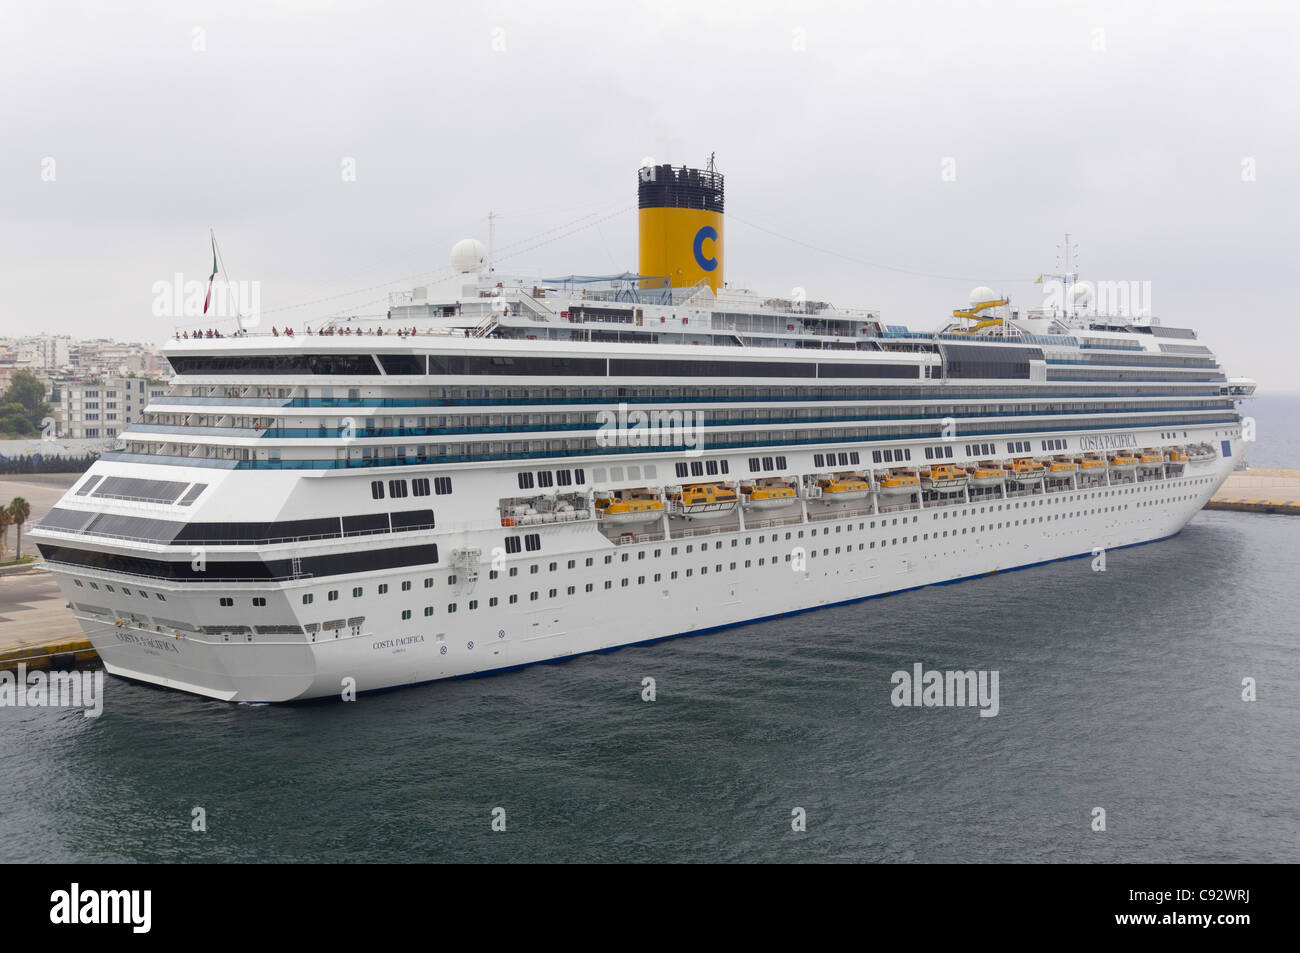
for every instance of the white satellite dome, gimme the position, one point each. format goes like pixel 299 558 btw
pixel 469 256
pixel 983 294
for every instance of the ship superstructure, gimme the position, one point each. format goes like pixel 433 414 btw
pixel 541 467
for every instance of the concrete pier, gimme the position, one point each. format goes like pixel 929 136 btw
pixel 36 627
pixel 1259 490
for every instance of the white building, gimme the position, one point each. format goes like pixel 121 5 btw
pixel 45 352
pixel 102 408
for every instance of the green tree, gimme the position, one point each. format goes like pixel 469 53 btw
pixel 24 400
pixel 4 531
pixel 19 511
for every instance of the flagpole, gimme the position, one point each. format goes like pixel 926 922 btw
pixel 216 248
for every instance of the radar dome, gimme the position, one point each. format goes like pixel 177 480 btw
pixel 982 294
pixel 468 256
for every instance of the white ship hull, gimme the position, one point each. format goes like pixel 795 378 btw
pixel 982 537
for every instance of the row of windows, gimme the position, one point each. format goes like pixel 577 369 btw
pixel 938 453
pixel 455 451
pixel 1055 444
pixel 125 591
pixel 358 591
pixel 441 454
pixel 830 459
pixel 520 423
pixel 546 479
pixel 419 486
pixel 757 464
pixel 705 467
pixel 466 395
pixel 891 456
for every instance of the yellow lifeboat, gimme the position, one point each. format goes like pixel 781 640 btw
pixel 844 486
pixel 629 506
pixel 1025 470
pixel 986 474
pixel 943 477
pixel 1090 463
pixel 703 500
pixel 1122 462
pixel 1061 467
pixel 898 484
pixel 768 495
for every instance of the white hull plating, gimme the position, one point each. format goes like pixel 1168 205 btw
pixel 736 576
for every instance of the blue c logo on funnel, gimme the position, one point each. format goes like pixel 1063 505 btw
pixel 707 233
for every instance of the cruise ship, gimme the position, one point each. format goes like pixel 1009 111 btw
pixel 537 468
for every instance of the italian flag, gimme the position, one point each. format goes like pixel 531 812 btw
pixel 211 277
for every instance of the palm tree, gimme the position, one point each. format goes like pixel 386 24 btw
pixel 19 510
pixel 4 530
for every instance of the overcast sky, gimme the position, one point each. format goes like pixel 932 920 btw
pixel 888 157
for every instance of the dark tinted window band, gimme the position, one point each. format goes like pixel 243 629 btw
pixel 411 520
pixel 402 363
pixel 975 361
pixel 868 370
pixel 176 533
pixel 273 364
pixel 337 564
pixel 648 367
pixel 367 523
pixel 479 365
pixel 532 366
pixel 257 532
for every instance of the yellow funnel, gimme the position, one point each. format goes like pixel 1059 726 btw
pixel 680 222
